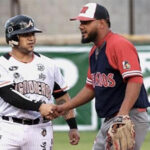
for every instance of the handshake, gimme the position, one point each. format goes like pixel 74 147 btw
pixel 52 111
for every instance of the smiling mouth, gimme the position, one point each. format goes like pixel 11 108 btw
pixel 84 34
pixel 82 31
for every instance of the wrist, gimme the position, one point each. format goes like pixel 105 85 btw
pixel 72 123
pixel 41 107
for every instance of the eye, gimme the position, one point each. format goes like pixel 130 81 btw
pixel 28 34
pixel 86 22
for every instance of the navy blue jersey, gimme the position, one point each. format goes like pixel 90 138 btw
pixel 111 63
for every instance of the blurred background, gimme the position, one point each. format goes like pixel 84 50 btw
pixel 52 16
pixel 61 41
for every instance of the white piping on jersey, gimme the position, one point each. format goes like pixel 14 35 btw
pixel 132 73
pixel 20 95
pixel 89 81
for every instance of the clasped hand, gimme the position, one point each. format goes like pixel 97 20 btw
pixel 51 111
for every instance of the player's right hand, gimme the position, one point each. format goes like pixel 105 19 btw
pixel 47 111
pixel 60 109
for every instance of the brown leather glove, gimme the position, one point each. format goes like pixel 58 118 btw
pixel 121 134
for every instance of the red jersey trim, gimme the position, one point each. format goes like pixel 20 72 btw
pixel 60 90
pixel 89 83
pixel 100 43
pixel 132 73
pixel 89 86
pixel 104 39
pixel 136 79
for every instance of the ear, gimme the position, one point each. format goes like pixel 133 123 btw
pixel 102 23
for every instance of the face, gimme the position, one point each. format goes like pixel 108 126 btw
pixel 26 42
pixel 89 31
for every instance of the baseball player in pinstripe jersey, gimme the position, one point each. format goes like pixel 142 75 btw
pixel 28 81
pixel 115 80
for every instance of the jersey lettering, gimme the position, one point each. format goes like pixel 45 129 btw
pixel 103 80
pixel 33 87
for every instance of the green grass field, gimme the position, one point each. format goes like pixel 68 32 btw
pixel 61 141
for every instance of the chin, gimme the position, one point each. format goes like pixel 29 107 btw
pixel 90 38
pixel 30 48
pixel 85 40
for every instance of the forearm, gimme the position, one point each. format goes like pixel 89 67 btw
pixel 66 104
pixel 131 95
pixel 84 96
pixel 18 100
pixel 69 114
pixel 62 100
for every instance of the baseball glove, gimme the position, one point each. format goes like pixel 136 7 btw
pixel 121 134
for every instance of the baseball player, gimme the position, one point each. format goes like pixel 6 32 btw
pixel 28 83
pixel 115 80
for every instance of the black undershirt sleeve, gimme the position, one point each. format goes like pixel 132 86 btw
pixel 58 94
pixel 13 97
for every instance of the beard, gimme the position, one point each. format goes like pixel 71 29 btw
pixel 91 38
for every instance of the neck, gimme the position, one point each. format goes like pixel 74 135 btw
pixel 101 36
pixel 20 56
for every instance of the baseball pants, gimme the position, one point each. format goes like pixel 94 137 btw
pixel 141 122
pixel 15 136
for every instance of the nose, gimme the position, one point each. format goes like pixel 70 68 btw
pixel 81 26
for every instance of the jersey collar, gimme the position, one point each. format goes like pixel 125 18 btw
pixel 104 39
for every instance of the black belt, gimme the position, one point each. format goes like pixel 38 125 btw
pixel 22 121
pixel 115 114
pixel 108 118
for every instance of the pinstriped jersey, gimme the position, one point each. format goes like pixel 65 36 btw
pixel 37 80
pixel 111 63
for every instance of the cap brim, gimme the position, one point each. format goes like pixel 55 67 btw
pixel 36 30
pixel 81 18
pixel 32 30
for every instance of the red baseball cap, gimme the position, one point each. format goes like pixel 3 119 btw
pixel 92 11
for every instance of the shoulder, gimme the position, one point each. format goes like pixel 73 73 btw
pixel 117 43
pixel 50 62
pixel 117 40
pixel 43 57
pixel 4 62
pixel 4 58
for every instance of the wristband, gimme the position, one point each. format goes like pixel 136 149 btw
pixel 72 123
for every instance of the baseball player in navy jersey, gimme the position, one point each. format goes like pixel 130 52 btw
pixel 115 80
pixel 28 83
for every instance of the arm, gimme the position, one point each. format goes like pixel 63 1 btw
pixel 18 100
pixel 123 124
pixel 70 119
pixel 131 95
pixel 64 99
pixel 83 97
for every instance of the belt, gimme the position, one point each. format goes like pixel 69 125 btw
pixel 112 116
pixel 22 121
